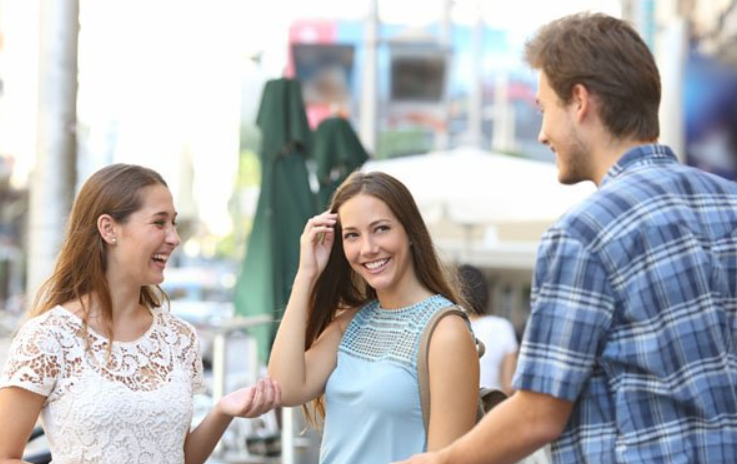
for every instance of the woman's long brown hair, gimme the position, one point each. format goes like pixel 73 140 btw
pixel 80 268
pixel 340 288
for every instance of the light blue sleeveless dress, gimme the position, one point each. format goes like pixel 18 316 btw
pixel 372 400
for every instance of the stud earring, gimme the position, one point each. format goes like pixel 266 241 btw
pixel 114 240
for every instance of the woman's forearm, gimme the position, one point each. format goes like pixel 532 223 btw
pixel 202 440
pixel 287 360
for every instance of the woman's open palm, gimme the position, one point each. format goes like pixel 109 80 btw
pixel 252 401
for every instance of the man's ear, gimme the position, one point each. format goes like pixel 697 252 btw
pixel 582 101
pixel 106 228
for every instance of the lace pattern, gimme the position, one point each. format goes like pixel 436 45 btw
pixel 135 408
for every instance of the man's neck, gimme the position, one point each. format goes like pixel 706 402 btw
pixel 607 154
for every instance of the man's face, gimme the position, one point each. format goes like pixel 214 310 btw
pixel 559 131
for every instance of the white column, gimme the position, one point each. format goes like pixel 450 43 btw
pixel 672 41
pixel 369 85
pixel 442 137
pixel 53 179
pixel 476 94
pixel 503 136
pixel 287 435
pixel 671 51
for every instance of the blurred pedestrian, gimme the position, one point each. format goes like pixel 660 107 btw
pixel 367 284
pixel 498 363
pixel 629 355
pixel 101 359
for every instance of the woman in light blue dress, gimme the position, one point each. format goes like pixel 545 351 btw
pixel 367 284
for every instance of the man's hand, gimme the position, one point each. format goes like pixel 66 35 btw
pixel 516 428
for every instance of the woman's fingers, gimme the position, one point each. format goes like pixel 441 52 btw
pixel 277 393
pixel 258 399
pixel 326 219
pixel 266 397
pixel 320 227
pixel 269 392
pixel 272 395
pixel 254 401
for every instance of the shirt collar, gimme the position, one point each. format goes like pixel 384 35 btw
pixel 640 155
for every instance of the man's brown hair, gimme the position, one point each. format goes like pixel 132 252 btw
pixel 608 57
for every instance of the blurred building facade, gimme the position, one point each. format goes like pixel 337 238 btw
pixel 475 88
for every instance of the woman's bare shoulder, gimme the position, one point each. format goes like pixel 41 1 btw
pixel 343 318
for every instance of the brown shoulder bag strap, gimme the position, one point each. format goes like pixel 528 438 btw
pixel 423 354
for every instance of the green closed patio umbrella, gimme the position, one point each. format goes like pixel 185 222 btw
pixel 284 205
pixel 337 152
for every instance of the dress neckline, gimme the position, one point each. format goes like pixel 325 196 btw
pixel 78 320
pixel 420 304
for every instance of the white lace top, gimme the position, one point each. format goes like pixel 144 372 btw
pixel 136 409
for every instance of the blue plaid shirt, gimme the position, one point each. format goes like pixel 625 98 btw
pixel 634 317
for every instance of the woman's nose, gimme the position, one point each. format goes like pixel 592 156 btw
pixel 368 246
pixel 173 237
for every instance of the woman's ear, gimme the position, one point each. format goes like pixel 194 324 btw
pixel 106 228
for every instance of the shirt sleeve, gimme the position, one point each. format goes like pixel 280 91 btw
pixel 572 305
pixel 35 360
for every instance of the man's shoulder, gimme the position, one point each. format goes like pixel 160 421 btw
pixel 670 179
pixel 585 221
pixel 644 196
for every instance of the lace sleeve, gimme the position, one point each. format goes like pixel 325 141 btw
pixel 34 361
pixel 188 350
pixel 198 384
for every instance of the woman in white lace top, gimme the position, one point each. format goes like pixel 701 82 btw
pixel 101 359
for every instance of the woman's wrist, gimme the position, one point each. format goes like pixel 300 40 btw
pixel 306 278
pixel 219 412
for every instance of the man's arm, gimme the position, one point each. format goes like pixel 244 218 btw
pixel 511 431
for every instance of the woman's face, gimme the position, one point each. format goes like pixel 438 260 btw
pixel 145 242
pixel 376 244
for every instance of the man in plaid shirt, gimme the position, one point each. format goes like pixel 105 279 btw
pixel 630 354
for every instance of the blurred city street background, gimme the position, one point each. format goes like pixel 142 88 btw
pixel 434 92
